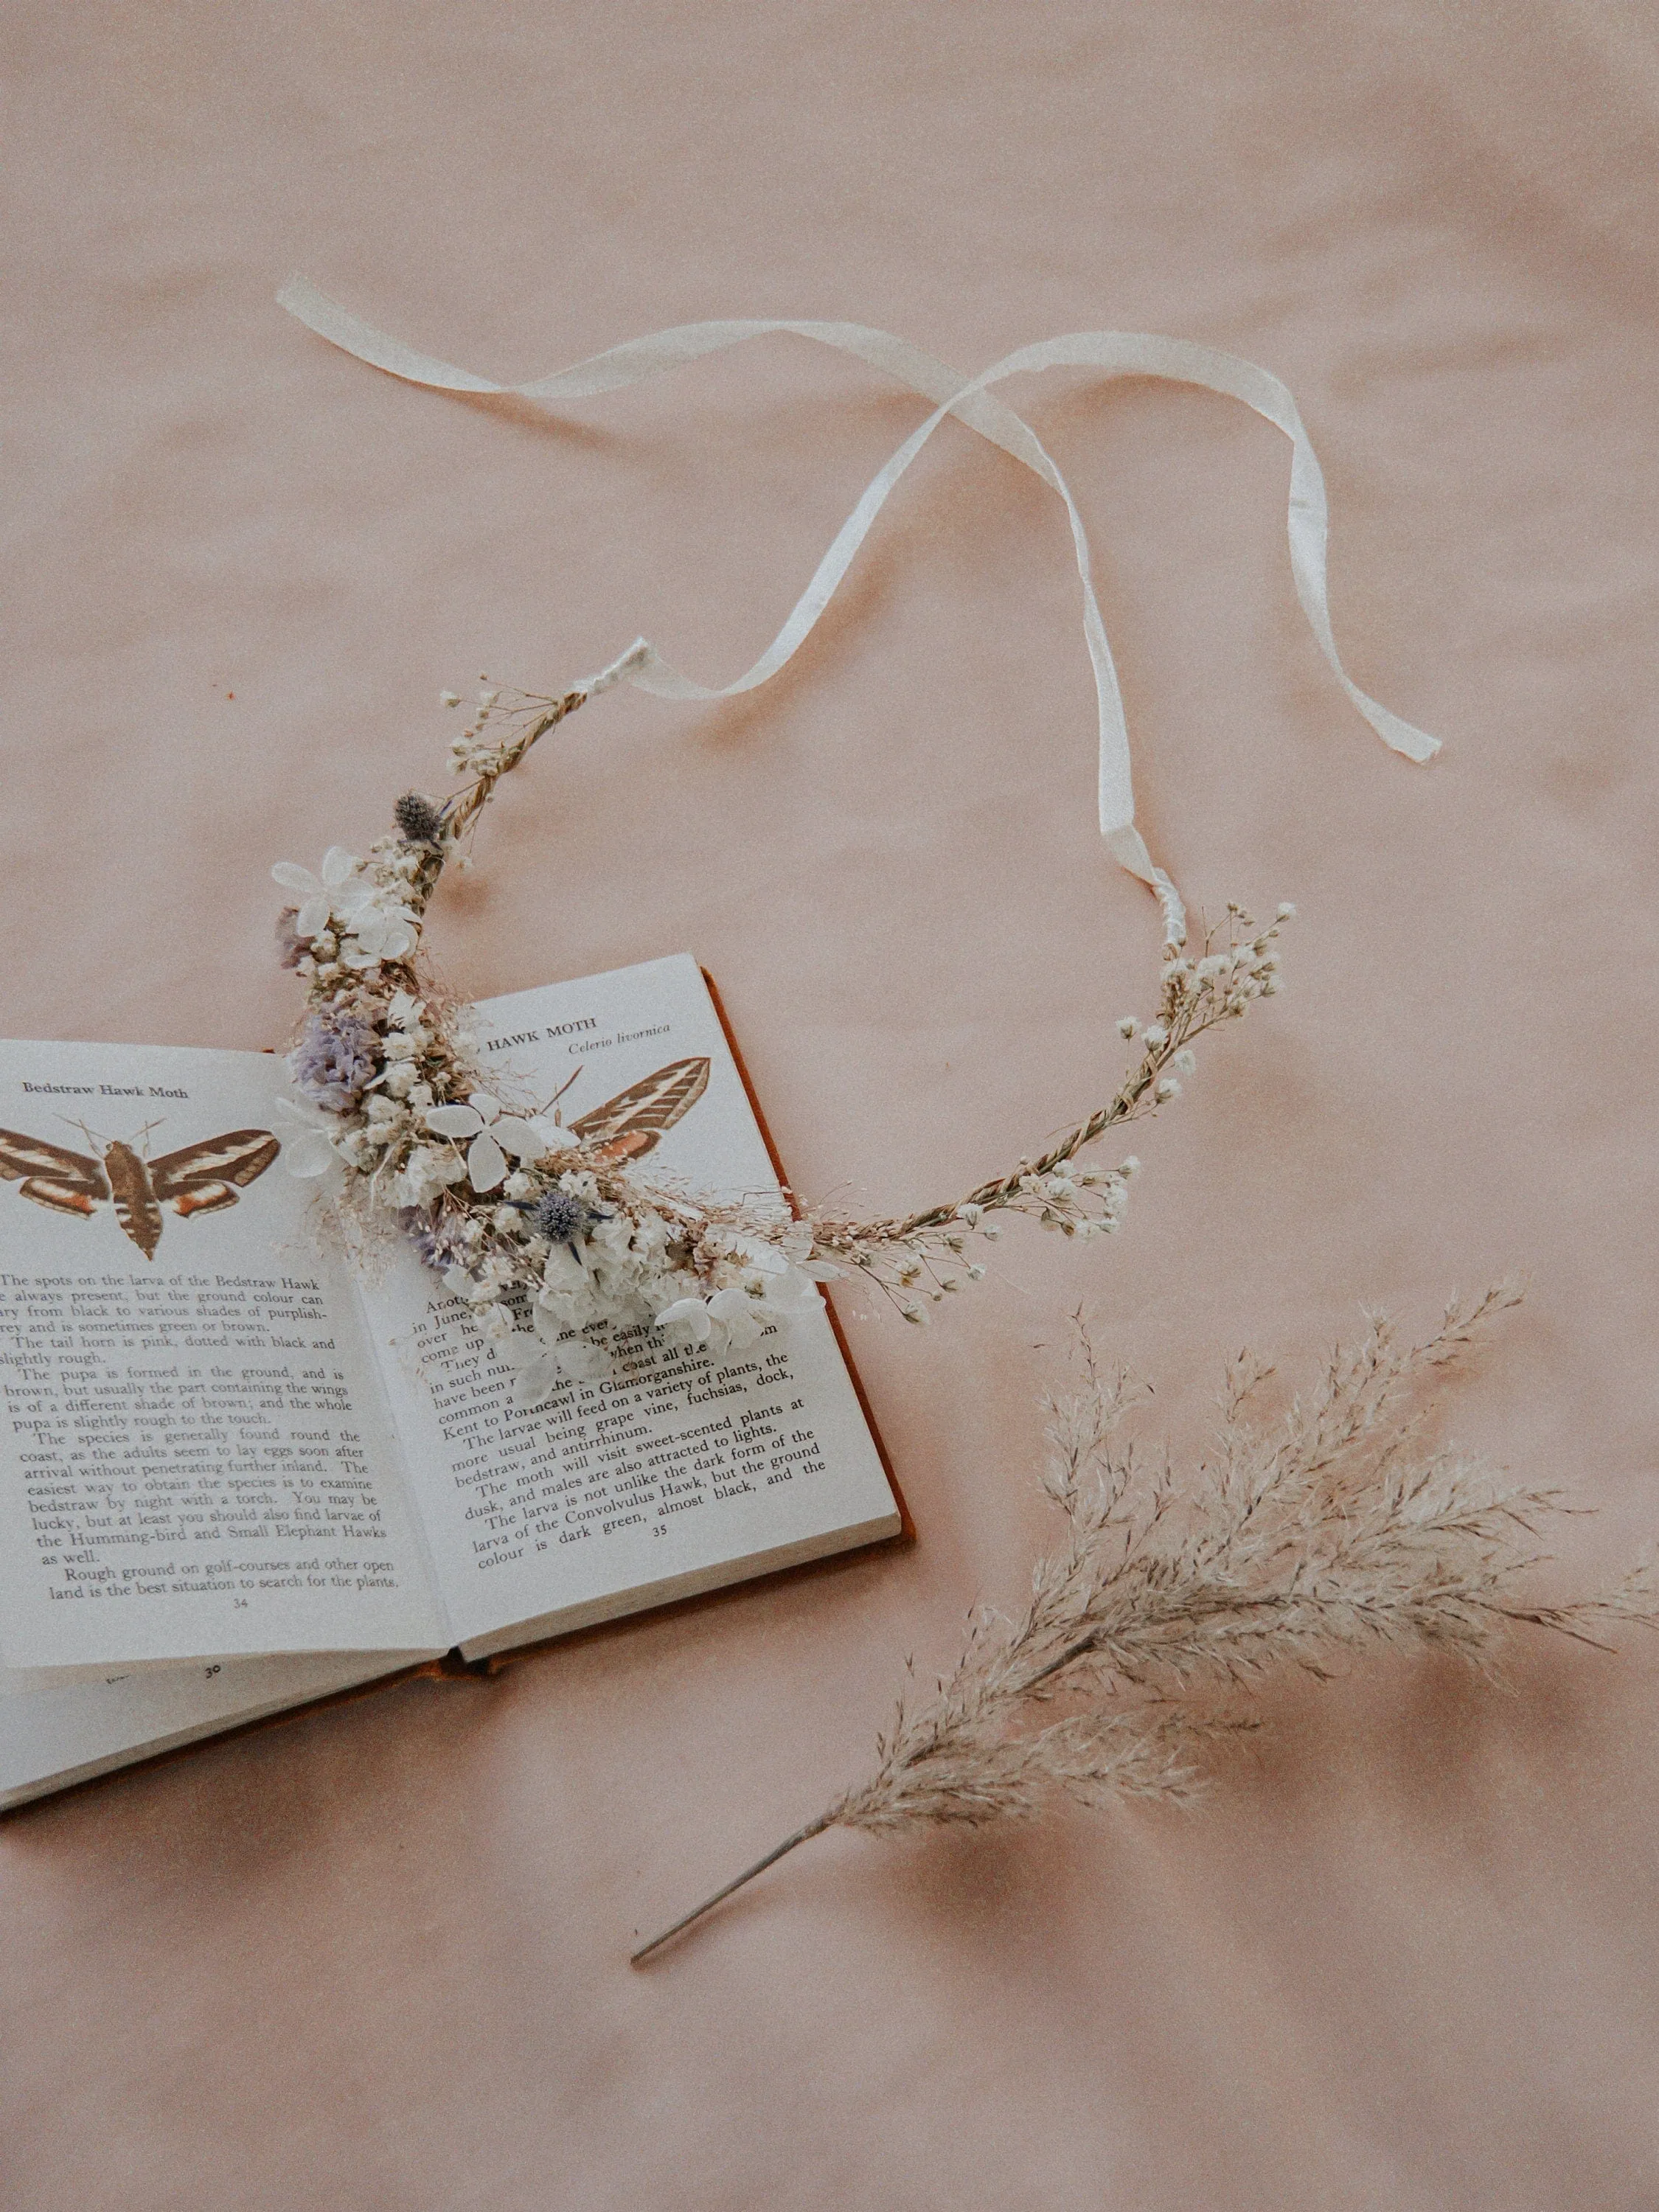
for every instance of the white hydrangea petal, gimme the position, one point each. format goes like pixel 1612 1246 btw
pixel 337 864
pixel 766 1258
pixel 453 1121
pixel 690 1315
pixel 486 1162
pixel 579 1358
pixel 293 878
pixel 534 1385
pixel 485 1105
pixel 520 1138
pixel 312 917
pixel 790 1292
pixel 565 1273
pixel 308 1154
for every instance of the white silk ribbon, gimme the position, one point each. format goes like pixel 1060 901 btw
pixel 969 399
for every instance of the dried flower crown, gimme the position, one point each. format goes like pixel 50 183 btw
pixel 531 1221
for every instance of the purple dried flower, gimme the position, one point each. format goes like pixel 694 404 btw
pixel 439 1239
pixel 291 947
pixel 419 822
pixel 337 1056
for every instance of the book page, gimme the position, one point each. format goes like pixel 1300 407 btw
pixel 193 1457
pixel 54 1733
pixel 672 1472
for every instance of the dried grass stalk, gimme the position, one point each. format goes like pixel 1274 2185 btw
pixel 1331 1526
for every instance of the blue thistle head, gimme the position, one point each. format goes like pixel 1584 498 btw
pixel 563 1219
pixel 419 822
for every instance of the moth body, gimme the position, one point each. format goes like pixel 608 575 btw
pixel 127 1173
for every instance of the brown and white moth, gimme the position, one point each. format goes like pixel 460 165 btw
pixel 200 1179
pixel 635 1122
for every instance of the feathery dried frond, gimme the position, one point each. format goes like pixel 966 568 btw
pixel 1305 1535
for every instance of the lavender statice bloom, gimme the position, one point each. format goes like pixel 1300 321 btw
pixel 439 1241
pixel 337 1055
pixel 291 947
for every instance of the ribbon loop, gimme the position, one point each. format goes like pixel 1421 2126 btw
pixel 970 400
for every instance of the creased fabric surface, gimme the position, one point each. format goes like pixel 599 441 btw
pixel 1405 1955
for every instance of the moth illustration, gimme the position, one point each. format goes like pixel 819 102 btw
pixel 200 1179
pixel 636 1120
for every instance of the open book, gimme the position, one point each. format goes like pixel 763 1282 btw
pixel 237 1474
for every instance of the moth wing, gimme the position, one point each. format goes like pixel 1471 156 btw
pixel 209 1175
pixel 32 1160
pixel 635 1122
pixel 61 1197
pixel 203 1198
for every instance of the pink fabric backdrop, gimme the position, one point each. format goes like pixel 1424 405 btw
pixel 375 1958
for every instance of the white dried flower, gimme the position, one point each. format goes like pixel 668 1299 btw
pixel 308 1148
pixel 428 1169
pixel 494 1133
pixel 686 1320
pixel 316 893
pixel 379 928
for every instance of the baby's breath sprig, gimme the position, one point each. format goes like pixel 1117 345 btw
pixel 526 1221
pixel 523 719
pixel 914 1256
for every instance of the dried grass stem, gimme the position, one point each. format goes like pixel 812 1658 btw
pixel 1298 1537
